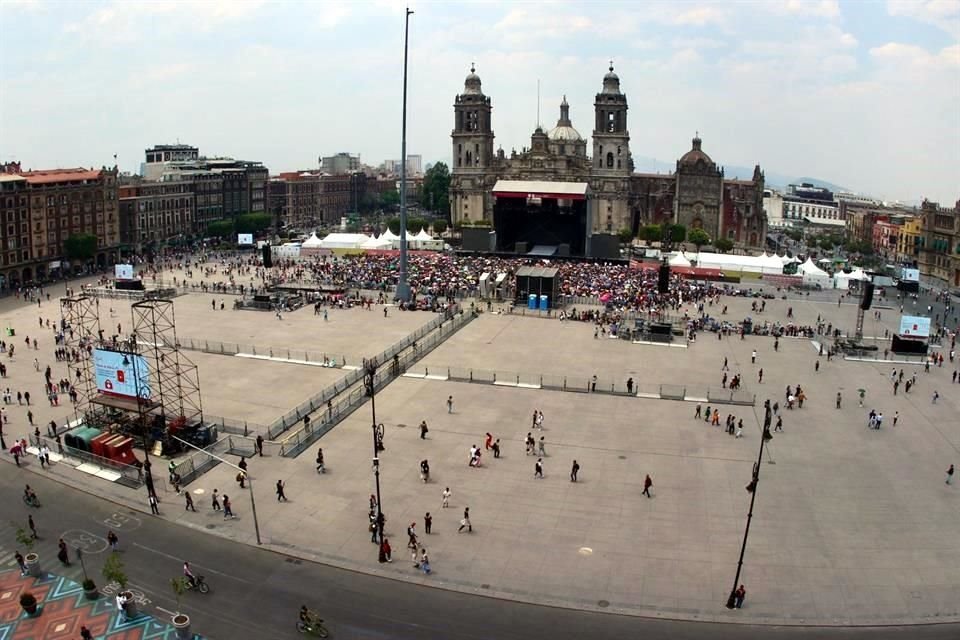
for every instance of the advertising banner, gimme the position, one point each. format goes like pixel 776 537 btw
pixel 915 326
pixel 910 275
pixel 117 374
pixel 123 271
pixel 245 239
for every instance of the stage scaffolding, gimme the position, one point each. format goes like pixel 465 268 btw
pixel 81 329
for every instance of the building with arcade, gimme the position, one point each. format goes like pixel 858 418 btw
pixel 597 194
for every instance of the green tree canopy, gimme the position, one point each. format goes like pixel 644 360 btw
pixel 390 199
pixel 439 225
pixel 651 233
pixel 434 195
pixel 80 246
pixel 723 244
pixel 626 235
pixel 678 232
pixel 698 237
pixel 252 222
pixel 220 229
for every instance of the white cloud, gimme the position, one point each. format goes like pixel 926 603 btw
pixel 943 14
pixel 897 52
pixel 699 16
pixel 821 8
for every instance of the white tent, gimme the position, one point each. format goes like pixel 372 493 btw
pixel 313 242
pixel 812 274
pixel 733 262
pixel 423 235
pixel 389 235
pixel 377 243
pixel 679 260
pixel 344 241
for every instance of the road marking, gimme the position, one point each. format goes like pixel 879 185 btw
pixel 193 564
pixel 80 539
pixel 169 613
pixel 123 521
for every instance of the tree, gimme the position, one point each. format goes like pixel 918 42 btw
pixel 626 235
pixel 439 225
pixel 220 229
pixel 651 233
pixel 390 199
pixel 677 232
pixel 394 225
pixel 434 194
pixel 252 222
pixel 80 246
pixel 698 237
pixel 723 244
pixel 415 224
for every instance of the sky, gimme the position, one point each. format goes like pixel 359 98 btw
pixel 862 94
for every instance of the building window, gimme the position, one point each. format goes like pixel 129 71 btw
pixel 609 160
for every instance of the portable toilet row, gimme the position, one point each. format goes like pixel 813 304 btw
pixel 532 302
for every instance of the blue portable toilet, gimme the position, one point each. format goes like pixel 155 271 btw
pixel 532 301
pixel 544 303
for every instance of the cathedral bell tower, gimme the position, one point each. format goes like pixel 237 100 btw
pixel 473 156
pixel 472 133
pixel 612 165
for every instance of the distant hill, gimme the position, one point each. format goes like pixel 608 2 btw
pixel 779 181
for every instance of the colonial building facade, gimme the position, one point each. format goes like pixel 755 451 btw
pixel 696 195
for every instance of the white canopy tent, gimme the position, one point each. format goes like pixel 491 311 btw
pixel 812 274
pixel 377 243
pixel 313 242
pixel 732 262
pixel 679 260
pixel 344 241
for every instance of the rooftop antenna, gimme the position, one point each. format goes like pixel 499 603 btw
pixel 538 103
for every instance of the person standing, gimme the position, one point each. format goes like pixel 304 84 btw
pixel 424 430
pixel 573 471
pixel 538 469
pixel 465 522
pixel 449 404
pixel 280 494
pixel 85 633
pixel 215 500
pixel 496 448
pixel 647 483
pixel 541 447
pixel 753 357
pixel 385 551
pixel 154 504
pixel 896 417
pixel 739 595
pixel 113 540
pixel 936 396
pixel 62 555
pixel 427 522
pixel 446 498
pixel 425 562
pixel 839 398
pixel 950 475
pixel 260 444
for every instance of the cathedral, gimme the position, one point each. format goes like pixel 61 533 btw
pixel 696 194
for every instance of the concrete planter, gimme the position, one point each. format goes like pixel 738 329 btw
pixel 32 561
pixel 131 605
pixel 181 622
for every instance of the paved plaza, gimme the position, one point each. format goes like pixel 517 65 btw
pixel 851 526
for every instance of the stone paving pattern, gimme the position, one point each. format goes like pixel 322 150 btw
pixel 852 525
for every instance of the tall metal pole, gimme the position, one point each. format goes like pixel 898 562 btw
pixel 403 289
pixel 370 367
pixel 731 600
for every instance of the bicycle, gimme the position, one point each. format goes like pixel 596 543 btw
pixel 313 627
pixel 31 500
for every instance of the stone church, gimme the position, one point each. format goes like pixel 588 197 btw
pixel 696 194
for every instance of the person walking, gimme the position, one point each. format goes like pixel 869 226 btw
pixel 573 471
pixel 753 357
pixel 215 500
pixel 227 508
pixel 412 535
pixel 779 426
pixel 113 540
pixel 538 469
pixel 20 563
pixel 496 448
pixel 465 522
pixel 839 398
pixel 280 494
pixel 62 555
pixel 424 430
pixel 427 522
pixel 385 551
pixel 32 527
pixel 760 376
pixel 85 633
pixel 739 595
pixel 449 404
pixel 950 475
pixel 189 505
pixel 896 417
pixel 425 562
pixel 260 444
pixel 647 483
pixel 446 498
pixel 936 396
pixel 154 504
pixel 541 447
pixel 320 466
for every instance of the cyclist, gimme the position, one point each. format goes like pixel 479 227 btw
pixel 188 574
pixel 30 496
pixel 308 618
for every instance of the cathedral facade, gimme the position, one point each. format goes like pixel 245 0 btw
pixel 696 194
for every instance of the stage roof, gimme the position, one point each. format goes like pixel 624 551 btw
pixel 540 189
pixel 537 272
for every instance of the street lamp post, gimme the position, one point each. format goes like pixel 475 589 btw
pixel 403 289
pixel 370 367
pixel 752 488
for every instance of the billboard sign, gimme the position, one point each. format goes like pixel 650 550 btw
pixel 123 271
pixel 117 373
pixel 910 275
pixel 915 326
pixel 245 239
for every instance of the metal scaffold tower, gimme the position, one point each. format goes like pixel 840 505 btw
pixel 81 330
pixel 175 380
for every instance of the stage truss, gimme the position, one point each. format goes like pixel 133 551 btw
pixel 81 315
pixel 175 380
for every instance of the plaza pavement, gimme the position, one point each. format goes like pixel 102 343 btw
pixel 851 526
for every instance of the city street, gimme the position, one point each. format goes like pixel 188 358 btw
pixel 256 593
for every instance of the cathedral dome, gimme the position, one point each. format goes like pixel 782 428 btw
pixel 611 82
pixel 564 131
pixel 696 154
pixel 471 85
